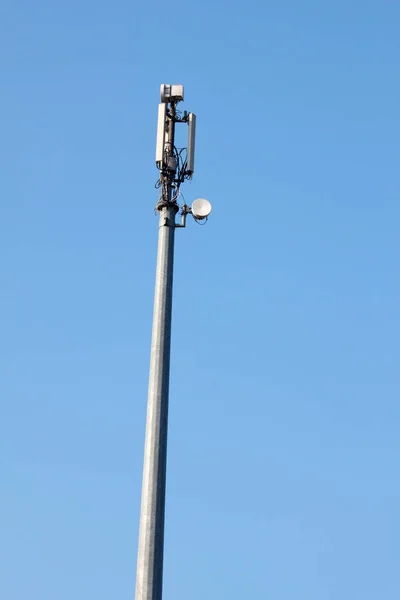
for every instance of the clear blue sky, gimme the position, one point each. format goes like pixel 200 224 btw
pixel 284 449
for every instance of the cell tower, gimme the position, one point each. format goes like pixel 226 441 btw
pixel 175 166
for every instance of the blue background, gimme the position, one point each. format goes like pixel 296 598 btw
pixel 283 470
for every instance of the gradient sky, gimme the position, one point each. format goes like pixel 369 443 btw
pixel 284 446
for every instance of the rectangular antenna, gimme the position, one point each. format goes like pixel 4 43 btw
pixel 191 143
pixel 160 134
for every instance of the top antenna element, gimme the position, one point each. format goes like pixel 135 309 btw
pixel 171 93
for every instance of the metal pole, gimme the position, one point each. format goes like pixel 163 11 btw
pixel 151 530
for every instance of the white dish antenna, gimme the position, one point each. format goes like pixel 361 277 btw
pixel 201 208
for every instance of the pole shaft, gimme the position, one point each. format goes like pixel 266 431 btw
pixel 152 514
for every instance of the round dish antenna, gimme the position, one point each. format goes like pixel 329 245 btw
pixel 201 208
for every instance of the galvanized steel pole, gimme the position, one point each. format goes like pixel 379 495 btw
pixel 151 531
